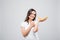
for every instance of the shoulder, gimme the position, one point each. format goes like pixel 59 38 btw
pixel 23 23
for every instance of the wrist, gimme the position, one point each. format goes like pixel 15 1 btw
pixel 30 26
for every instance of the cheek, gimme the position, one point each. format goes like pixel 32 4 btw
pixel 32 16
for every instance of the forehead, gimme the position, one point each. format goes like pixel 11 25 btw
pixel 33 12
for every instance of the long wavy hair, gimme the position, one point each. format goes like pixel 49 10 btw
pixel 28 14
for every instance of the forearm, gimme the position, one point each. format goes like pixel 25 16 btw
pixel 35 28
pixel 42 19
pixel 26 32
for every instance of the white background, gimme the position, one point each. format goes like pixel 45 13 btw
pixel 13 12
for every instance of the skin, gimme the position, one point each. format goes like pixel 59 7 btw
pixel 24 31
pixel 42 19
pixel 35 25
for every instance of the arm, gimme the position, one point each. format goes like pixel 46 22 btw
pixel 25 32
pixel 35 28
pixel 39 20
pixel 42 19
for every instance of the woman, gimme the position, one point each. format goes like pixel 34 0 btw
pixel 29 27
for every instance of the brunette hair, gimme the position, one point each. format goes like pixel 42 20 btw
pixel 28 14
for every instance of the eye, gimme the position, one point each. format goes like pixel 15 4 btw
pixel 33 14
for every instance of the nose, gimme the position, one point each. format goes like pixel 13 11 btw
pixel 33 15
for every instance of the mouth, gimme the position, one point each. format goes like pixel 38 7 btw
pixel 32 17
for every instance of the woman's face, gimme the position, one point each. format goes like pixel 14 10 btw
pixel 32 15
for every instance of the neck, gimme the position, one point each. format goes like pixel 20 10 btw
pixel 30 20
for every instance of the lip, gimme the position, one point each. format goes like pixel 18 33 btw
pixel 32 16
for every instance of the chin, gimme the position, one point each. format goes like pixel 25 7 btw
pixel 32 18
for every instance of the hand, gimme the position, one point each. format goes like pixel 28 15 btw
pixel 46 17
pixel 42 19
pixel 32 24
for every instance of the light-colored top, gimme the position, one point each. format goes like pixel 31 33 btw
pixel 32 35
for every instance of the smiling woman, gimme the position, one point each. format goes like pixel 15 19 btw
pixel 14 27
pixel 29 27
